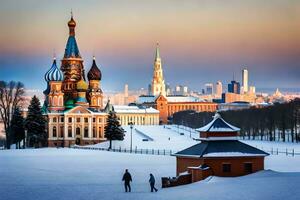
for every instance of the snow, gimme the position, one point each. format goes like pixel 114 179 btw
pixel 134 109
pixel 51 173
pixel 159 138
pixel 231 154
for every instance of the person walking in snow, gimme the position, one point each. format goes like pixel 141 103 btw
pixel 152 183
pixel 127 179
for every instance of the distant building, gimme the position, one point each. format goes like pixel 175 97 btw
pixel 252 90
pixel 209 88
pixel 245 80
pixel 137 115
pixel 234 87
pixel 219 154
pixel 158 82
pixel 219 89
pixel 168 105
pixel 181 90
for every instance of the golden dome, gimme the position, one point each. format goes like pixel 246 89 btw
pixel 72 22
pixel 82 85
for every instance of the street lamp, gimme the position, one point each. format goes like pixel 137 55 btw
pixel 131 127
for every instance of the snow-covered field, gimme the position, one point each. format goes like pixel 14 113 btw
pixel 50 173
pixel 170 138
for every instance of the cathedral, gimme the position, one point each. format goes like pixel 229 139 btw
pixel 73 104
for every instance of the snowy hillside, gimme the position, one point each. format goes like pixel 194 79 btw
pixel 46 174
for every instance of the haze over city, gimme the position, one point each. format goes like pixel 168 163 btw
pixel 200 41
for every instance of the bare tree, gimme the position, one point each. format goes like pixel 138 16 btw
pixel 11 95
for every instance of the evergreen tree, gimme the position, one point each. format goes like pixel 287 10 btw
pixel 17 127
pixel 35 124
pixel 113 129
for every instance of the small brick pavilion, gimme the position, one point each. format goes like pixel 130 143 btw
pixel 219 153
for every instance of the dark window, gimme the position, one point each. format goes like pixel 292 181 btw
pixel 94 119
pixel 248 167
pixel 61 131
pixel 86 132
pixel 86 120
pixel 94 132
pixel 226 167
pixel 77 131
pixel 78 120
pixel 54 119
pixel 54 131
pixel 70 119
pixel 70 131
pixel 62 119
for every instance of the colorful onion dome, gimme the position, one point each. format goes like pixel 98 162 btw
pixel 94 73
pixel 72 22
pixel 82 85
pixel 54 73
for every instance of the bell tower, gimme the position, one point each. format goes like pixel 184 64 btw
pixel 158 83
pixel 71 64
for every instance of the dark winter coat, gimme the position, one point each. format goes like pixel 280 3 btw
pixel 127 177
pixel 152 179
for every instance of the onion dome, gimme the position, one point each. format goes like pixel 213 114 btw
pixel 94 73
pixel 54 73
pixel 82 85
pixel 72 22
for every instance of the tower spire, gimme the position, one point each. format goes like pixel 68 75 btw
pixel 157 56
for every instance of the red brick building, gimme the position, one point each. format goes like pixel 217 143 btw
pixel 219 153
pixel 168 105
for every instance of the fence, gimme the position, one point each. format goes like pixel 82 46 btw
pixel 163 152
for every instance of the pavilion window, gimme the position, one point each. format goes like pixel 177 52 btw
pixel 94 132
pixel 61 131
pixel 70 119
pixel 226 167
pixel 54 119
pixel 248 168
pixel 86 120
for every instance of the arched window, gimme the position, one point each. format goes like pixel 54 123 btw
pixel 77 131
pixel 69 131
pixel 54 131
pixel 86 132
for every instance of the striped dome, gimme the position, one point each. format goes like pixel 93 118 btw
pixel 54 73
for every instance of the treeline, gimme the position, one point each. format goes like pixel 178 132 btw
pixel 15 125
pixel 279 122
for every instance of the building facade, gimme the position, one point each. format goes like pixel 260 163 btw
pixel 168 105
pixel 245 80
pixel 73 106
pixel 137 115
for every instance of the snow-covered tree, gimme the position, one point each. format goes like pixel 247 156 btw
pixel 113 129
pixel 35 124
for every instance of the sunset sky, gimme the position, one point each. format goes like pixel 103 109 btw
pixel 200 41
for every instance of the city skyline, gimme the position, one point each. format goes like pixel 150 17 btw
pixel 197 45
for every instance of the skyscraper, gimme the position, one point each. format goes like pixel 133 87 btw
pixel 234 87
pixel 219 89
pixel 158 83
pixel 209 88
pixel 245 80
